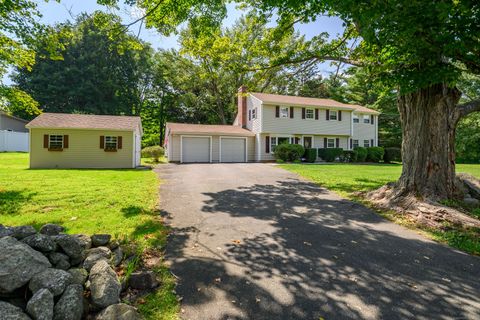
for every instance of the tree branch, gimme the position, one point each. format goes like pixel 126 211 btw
pixel 469 107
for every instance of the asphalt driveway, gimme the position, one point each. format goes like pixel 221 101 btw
pixel 252 241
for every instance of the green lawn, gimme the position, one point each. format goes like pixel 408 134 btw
pixel 345 179
pixel 118 202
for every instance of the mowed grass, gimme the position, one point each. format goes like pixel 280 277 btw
pixel 119 202
pixel 346 179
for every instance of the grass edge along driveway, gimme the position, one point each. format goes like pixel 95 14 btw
pixel 122 203
pixel 346 178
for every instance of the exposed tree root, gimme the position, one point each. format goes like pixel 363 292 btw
pixel 426 212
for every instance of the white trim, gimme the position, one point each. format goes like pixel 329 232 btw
pixel 308 136
pixel 258 139
pixel 232 137
pixel 134 155
pixel 192 136
pixel 97 129
pixel 59 135
pixel 313 109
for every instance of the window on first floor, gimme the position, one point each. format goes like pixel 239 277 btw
pixel 55 142
pixel 330 143
pixel 111 143
pixel 355 143
pixel 275 141
pixel 366 143
pixel 284 112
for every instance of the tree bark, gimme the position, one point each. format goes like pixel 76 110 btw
pixel 429 118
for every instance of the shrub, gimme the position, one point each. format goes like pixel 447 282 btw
pixel 348 156
pixel 330 154
pixel 360 154
pixel 154 152
pixel 310 155
pixel 289 152
pixel 392 154
pixel 375 154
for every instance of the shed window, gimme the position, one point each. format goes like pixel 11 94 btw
pixel 310 113
pixel 111 143
pixel 55 142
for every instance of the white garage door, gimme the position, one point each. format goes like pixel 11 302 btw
pixel 233 150
pixel 195 149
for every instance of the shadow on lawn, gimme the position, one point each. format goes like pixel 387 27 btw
pixel 324 258
pixel 12 201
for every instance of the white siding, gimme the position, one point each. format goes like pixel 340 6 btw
pixel 13 141
pixel 254 125
pixel 297 125
pixel 365 131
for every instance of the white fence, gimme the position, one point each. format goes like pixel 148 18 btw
pixel 13 141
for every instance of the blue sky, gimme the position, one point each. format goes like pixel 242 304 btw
pixel 54 12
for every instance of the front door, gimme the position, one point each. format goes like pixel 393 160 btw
pixel 307 142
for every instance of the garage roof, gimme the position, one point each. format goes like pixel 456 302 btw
pixel 85 121
pixel 309 102
pixel 186 128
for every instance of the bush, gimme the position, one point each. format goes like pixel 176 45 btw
pixel 310 155
pixel 154 152
pixel 330 154
pixel 375 154
pixel 392 154
pixel 360 154
pixel 289 152
pixel 348 156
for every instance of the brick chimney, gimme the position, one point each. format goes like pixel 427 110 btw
pixel 242 107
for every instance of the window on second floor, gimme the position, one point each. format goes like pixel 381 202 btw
pixel 333 115
pixel 284 112
pixel 366 143
pixel 356 119
pixel 330 143
pixel 309 113
pixel 366 119
pixel 254 113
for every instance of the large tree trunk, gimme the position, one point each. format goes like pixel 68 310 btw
pixel 429 118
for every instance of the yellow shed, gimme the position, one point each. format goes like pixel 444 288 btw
pixel 59 140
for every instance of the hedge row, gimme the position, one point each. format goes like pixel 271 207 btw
pixel 360 154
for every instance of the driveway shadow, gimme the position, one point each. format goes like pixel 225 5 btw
pixel 310 255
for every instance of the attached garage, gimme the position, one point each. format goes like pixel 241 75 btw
pixel 196 143
pixel 233 149
pixel 196 149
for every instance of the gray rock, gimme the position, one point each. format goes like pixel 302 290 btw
pixel 51 229
pixel 55 280
pixel 70 304
pixel 85 241
pixel 100 239
pixel 59 260
pixel 471 184
pixel 40 242
pixel 113 245
pixel 471 201
pixel 10 312
pixel 40 305
pixel 19 263
pixel 5 231
pixel 119 311
pixel 96 254
pixel 104 285
pixel 117 256
pixel 79 275
pixel 72 246
pixel 143 280
pixel 23 232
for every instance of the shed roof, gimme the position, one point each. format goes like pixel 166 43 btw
pixel 85 121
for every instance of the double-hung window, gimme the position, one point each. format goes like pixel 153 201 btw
pixel 111 143
pixel 366 143
pixel 355 119
pixel 254 113
pixel 330 143
pixel 55 142
pixel 355 144
pixel 284 112
pixel 310 113
pixel 333 115
pixel 366 119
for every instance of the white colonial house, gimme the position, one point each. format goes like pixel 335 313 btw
pixel 266 120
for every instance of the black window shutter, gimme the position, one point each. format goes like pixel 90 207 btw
pixel 371 119
pixel 303 113
pixel 291 112
pixel 249 115
pixel 267 144
pixel 339 115
pixel 325 143
pixel 371 143
pixel 277 111
pixel 316 114
pixel 351 143
pixel 337 142
pixel 328 115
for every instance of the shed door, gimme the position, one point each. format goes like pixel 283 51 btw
pixel 233 150
pixel 195 149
